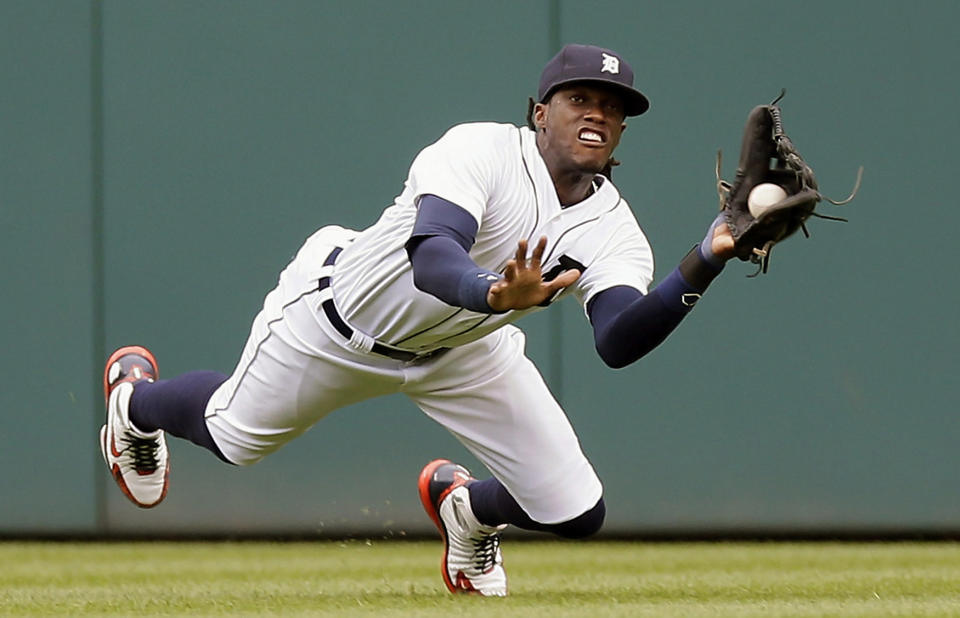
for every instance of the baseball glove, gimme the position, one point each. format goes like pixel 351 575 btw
pixel 768 156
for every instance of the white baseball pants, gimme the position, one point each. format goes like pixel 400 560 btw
pixel 295 369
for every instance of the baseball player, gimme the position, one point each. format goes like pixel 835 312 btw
pixel 495 221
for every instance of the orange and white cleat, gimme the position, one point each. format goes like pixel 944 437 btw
pixel 138 460
pixel 472 561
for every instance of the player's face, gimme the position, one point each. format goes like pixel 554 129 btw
pixel 583 125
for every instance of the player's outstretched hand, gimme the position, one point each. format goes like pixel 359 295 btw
pixel 522 285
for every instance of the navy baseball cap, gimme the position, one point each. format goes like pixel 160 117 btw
pixel 579 63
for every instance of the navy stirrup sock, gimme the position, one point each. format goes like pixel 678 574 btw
pixel 493 505
pixel 177 407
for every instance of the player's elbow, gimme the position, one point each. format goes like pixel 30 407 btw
pixel 617 356
pixel 612 355
pixel 612 361
pixel 619 348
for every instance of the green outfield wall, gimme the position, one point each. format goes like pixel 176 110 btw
pixel 160 162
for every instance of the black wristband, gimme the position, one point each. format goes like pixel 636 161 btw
pixel 696 270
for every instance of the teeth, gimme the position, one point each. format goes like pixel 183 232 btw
pixel 590 136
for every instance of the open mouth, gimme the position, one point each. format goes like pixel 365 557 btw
pixel 591 137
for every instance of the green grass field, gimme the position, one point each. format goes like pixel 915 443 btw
pixel 556 579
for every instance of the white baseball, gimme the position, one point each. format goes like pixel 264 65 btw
pixel 763 196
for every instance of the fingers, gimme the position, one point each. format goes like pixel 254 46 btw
pixel 566 278
pixel 510 272
pixel 538 252
pixel 521 257
pixel 535 258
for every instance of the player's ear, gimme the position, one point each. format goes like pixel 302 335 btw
pixel 540 116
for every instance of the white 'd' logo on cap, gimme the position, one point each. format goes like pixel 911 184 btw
pixel 611 64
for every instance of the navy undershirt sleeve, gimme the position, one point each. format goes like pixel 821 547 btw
pixel 438 250
pixel 437 216
pixel 627 324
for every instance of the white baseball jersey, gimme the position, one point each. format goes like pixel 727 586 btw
pixel 297 367
pixel 494 172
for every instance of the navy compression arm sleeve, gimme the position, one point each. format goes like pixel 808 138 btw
pixel 442 235
pixel 627 325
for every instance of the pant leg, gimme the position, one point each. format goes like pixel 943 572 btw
pixel 295 368
pixel 493 399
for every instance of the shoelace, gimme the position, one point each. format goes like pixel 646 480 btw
pixel 144 453
pixel 485 552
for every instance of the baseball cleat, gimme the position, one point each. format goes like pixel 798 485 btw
pixel 138 460
pixel 472 561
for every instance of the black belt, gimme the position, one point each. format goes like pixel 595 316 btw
pixel 344 329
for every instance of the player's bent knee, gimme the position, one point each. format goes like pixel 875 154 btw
pixel 584 525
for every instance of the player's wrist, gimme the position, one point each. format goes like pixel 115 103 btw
pixel 473 289
pixel 697 270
